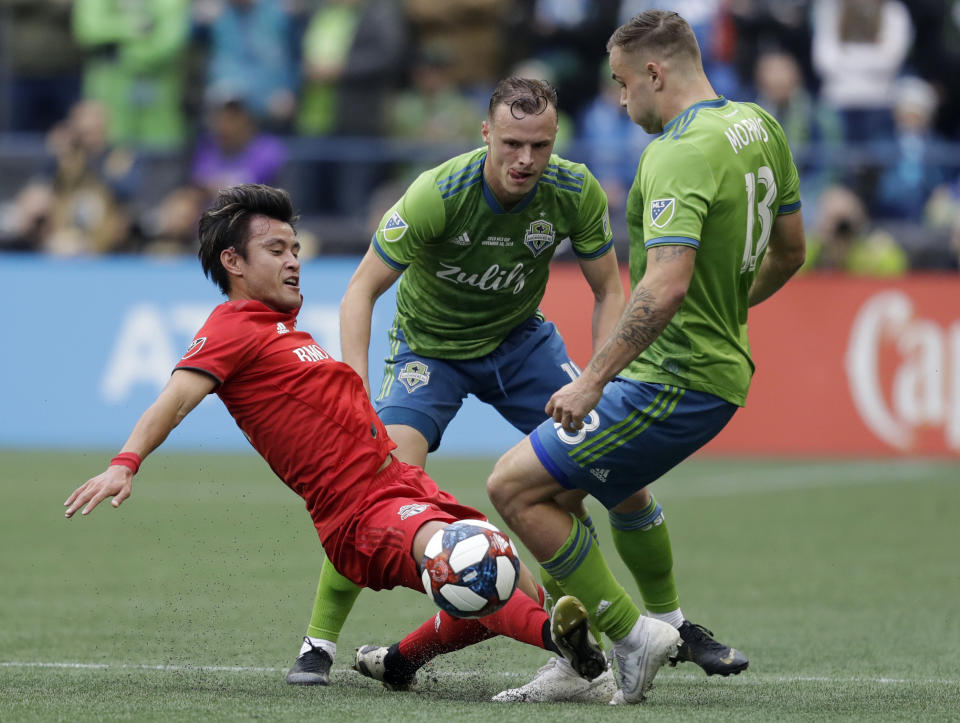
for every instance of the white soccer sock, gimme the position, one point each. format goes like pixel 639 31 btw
pixel 674 617
pixel 325 645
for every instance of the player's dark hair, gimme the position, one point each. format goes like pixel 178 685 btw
pixel 523 96
pixel 660 31
pixel 227 223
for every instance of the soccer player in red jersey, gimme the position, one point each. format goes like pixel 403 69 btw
pixel 309 416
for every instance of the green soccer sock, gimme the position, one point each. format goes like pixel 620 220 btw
pixel 554 592
pixel 334 600
pixel 643 542
pixel 580 570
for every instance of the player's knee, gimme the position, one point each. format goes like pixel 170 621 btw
pixel 639 500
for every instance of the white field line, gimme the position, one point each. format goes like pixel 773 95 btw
pixel 749 678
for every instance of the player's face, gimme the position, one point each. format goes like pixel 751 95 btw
pixel 636 90
pixel 271 271
pixel 519 150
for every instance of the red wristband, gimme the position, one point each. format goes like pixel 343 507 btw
pixel 130 460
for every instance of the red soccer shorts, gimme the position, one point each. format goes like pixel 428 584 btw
pixel 374 548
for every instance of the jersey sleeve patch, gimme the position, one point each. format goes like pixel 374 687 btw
pixel 673 241
pixel 394 228
pixel 385 257
pixel 195 346
pixel 661 211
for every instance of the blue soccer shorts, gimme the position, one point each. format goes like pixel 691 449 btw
pixel 637 432
pixel 517 379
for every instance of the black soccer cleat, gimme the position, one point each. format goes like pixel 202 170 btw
pixel 697 646
pixel 311 668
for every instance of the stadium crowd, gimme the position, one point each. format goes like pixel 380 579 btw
pixel 119 121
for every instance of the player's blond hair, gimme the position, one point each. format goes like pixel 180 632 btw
pixel 664 34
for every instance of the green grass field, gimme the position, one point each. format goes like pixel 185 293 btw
pixel 841 581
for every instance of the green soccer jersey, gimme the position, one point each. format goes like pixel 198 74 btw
pixel 714 180
pixel 471 270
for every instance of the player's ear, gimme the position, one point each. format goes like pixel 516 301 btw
pixel 230 260
pixel 485 132
pixel 655 73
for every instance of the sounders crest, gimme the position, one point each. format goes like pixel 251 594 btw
pixel 539 236
pixel 415 374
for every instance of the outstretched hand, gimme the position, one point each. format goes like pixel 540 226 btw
pixel 116 482
pixel 572 402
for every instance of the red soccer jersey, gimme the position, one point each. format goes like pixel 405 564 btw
pixel 307 414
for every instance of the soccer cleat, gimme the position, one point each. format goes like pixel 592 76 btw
pixel 558 682
pixel 571 634
pixel 372 662
pixel 311 668
pixel 697 646
pixel 641 654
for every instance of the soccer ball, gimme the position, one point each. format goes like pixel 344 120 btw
pixel 470 568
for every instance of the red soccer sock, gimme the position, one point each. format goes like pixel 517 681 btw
pixel 442 633
pixel 521 619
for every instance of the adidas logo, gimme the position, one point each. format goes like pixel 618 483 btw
pixel 600 474
pixel 281 328
pixel 461 240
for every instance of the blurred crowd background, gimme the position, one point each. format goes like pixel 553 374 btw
pixel 120 118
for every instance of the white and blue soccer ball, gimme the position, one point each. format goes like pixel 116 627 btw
pixel 470 568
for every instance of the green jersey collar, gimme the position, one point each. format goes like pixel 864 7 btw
pixel 492 201
pixel 679 124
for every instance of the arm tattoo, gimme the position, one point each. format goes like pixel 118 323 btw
pixel 638 327
pixel 640 324
pixel 643 319
pixel 670 252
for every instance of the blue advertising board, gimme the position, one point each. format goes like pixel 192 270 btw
pixel 91 341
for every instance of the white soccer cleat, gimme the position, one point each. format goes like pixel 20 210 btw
pixel 641 654
pixel 558 682
pixel 372 661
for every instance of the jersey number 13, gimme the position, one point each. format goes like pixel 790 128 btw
pixel 762 208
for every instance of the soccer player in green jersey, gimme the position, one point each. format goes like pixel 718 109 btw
pixel 714 228
pixel 470 242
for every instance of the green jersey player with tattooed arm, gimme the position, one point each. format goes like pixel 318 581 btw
pixel 714 228
pixel 470 242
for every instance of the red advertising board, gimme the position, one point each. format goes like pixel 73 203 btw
pixel 845 366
